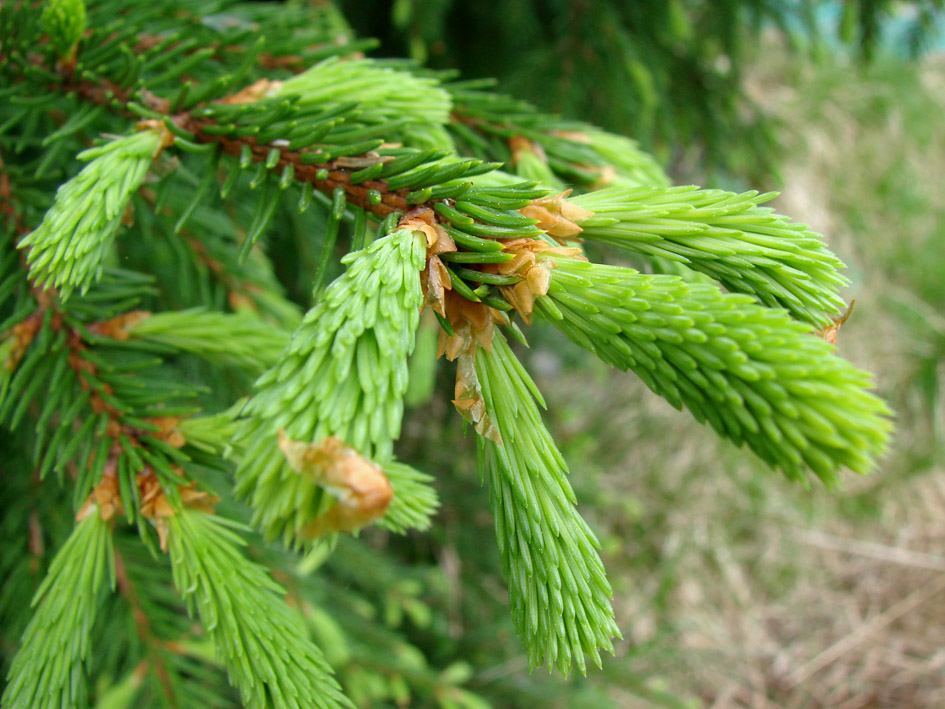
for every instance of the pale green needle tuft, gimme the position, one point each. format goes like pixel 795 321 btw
pixel 260 639
pixel 415 500
pixel 344 374
pixel 754 374
pixel 64 21
pixel 746 248
pixel 383 95
pixel 68 249
pixel 237 340
pixel 558 592
pixel 48 671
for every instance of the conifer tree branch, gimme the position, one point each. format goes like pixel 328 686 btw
pixel 266 654
pixel 105 385
pixel 326 177
pixel 558 591
pixel 747 248
pixel 228 340
pixel 68 248
pixel 343 375
pixel 103 92
pixel 47 671
pixel 747 370
pixel 111 469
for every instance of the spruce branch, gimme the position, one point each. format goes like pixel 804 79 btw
pixel 747 248
pixel 127 451
pixel 228 340
pixel 751 372
pixel 260 640
pixel 344 374
pixel 244 124
pixel 544 147
pixel 558 592
pixel 48 668
pixel 69 247
pixel 64 21
pixel 94 386
pixel 408 106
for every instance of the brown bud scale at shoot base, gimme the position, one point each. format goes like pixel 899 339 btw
pixel 361 490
